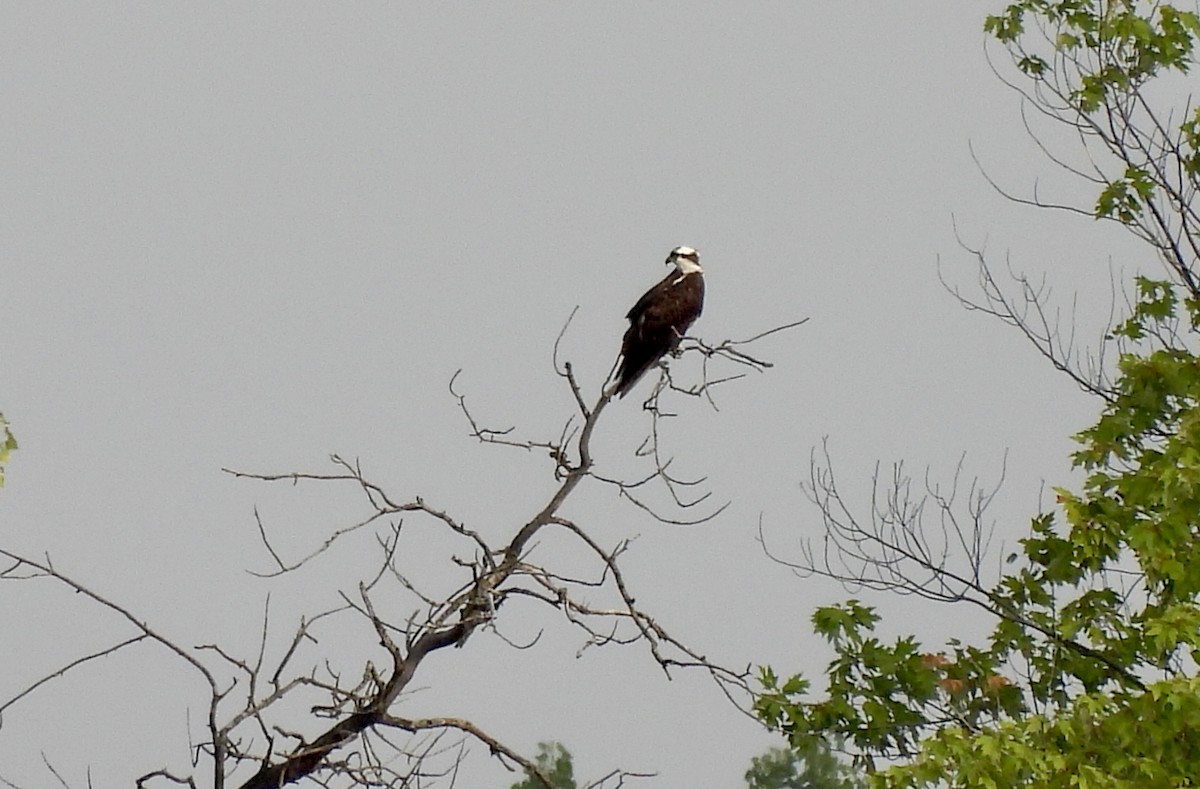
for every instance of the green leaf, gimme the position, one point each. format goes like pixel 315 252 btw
pixel 8 444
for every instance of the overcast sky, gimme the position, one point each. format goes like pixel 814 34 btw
pixel 250 236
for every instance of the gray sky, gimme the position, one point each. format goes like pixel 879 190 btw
pixel 253 236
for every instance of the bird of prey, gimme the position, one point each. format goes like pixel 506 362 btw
pixel 661 317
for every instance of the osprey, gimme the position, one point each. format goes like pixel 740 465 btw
pixel 661 317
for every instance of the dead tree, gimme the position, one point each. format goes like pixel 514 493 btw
pixel 250 716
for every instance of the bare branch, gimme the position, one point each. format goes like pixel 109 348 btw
pixel 58 673
pixel 250 732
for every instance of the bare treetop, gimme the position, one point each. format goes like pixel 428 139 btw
pixel 252 735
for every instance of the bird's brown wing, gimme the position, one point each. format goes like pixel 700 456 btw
pixel 656 323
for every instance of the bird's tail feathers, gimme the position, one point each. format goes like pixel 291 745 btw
pixel 630 373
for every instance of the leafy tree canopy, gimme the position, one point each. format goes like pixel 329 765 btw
pixel 1089 676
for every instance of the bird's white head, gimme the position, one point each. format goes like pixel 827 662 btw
pixel 686 260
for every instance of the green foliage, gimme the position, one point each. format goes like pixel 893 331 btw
pixel 8 443
pixel 813 767
pixel 1155 306
pixel 1089 677
pixel 1137 41
pixel 555 762
pixel 1082 682
pixel 1190 131
pixel 1096 57
pixel 1124 197
pixel 883 697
